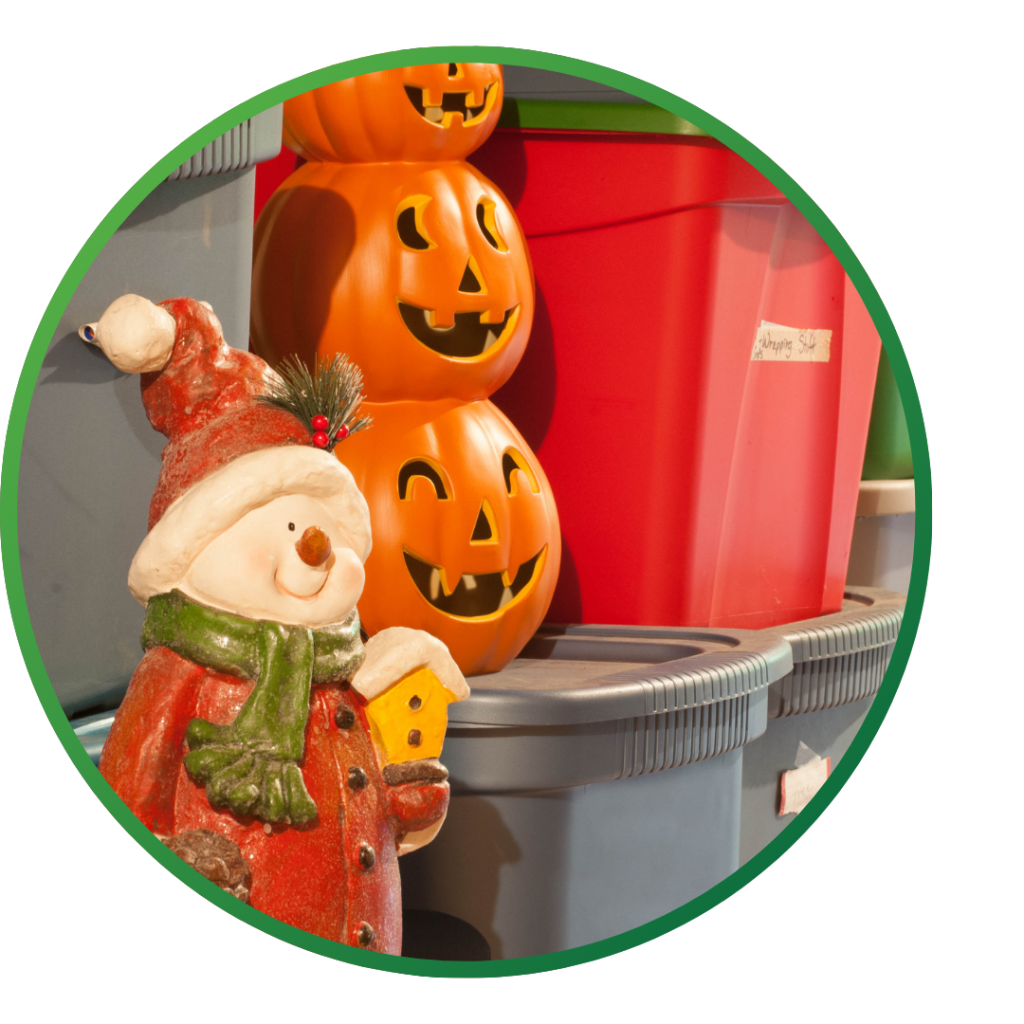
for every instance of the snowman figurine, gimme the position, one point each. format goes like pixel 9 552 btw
pixel 258 738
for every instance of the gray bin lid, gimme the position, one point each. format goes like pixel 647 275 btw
pixel 579 675
pixel 570 675
pixel 838 658
pixel 245 145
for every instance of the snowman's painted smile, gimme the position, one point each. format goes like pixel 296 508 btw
pixel 452 103
pixel 299 597
pixel 475 596
pixel 304 585
pixel 468 338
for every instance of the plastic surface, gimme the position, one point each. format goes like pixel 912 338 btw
pixel 564 828
pixel 537 83
pixel 466 540
pixel 521 83
pixel 882 551
pixel 425 112
pixel 79 523
pixel 726 486
pixel 887 456
pixel 250 143
pixel 828 733
pixel 570 675
pixel 417 271
pixel 840 658
pixel 839 663
pixel 540 872
pixel 886 497
pixel 593 115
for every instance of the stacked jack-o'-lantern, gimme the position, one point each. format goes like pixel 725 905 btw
pixel 386 245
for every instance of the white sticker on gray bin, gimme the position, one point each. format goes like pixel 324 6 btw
pixel 798 785
pixel 778 344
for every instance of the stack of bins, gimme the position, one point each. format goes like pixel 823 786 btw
pixel 79 523
pixel 727 482
pixel 839 662
pixel 883 538
pixel 596 783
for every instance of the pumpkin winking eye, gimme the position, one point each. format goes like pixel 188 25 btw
pixel 420 467
pixel 512 461
pixel 409 224
pixel 485 217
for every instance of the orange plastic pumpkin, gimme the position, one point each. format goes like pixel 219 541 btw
pixel 428 112
pixel 419 272
pixel 466 542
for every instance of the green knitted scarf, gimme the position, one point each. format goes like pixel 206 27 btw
pixel 251 767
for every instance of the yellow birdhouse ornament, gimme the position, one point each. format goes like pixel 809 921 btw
pixel 408 679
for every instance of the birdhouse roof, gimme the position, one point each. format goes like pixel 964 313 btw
pixel 394 653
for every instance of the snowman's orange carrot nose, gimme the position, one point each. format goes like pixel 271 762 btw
pixel 314 546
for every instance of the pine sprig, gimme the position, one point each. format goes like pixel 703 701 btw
pixel 332 390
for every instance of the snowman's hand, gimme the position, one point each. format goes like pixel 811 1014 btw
pixel 215 857
pixel 418 793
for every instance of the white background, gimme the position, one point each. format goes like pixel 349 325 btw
pixel 903 901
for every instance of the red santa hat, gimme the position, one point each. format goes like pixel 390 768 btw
pixel 237 437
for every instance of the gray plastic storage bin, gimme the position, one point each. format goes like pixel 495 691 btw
pixel 90 458
pixel 838 664
pixel 595 783
pixel 882 549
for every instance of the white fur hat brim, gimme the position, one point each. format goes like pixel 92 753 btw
pixel 208 508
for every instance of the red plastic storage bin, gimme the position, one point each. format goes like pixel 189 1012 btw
pixel 695 484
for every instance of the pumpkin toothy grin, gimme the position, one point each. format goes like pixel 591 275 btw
pixel 468 338
pixel 475 596
pixel 451 103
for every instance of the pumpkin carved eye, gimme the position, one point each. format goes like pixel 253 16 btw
pixel 488 225
pixel 409 224
pixel 421 467
pixel 512 461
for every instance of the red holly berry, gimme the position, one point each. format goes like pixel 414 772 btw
pixel 320 439
pixel 342 434
pixel 320 423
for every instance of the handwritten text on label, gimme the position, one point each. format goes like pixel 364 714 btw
pixel 775 343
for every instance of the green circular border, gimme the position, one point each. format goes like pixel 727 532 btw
pixel 498 55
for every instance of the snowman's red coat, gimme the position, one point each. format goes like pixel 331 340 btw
pixel 311 876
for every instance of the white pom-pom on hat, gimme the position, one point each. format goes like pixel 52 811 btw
pixel 136 335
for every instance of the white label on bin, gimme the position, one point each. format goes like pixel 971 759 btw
pixel 798 785
pixel 778 344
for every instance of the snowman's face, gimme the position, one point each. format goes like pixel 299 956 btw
pixel 261 569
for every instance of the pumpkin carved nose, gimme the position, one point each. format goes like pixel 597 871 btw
pixel 314 546
pixel 471 283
